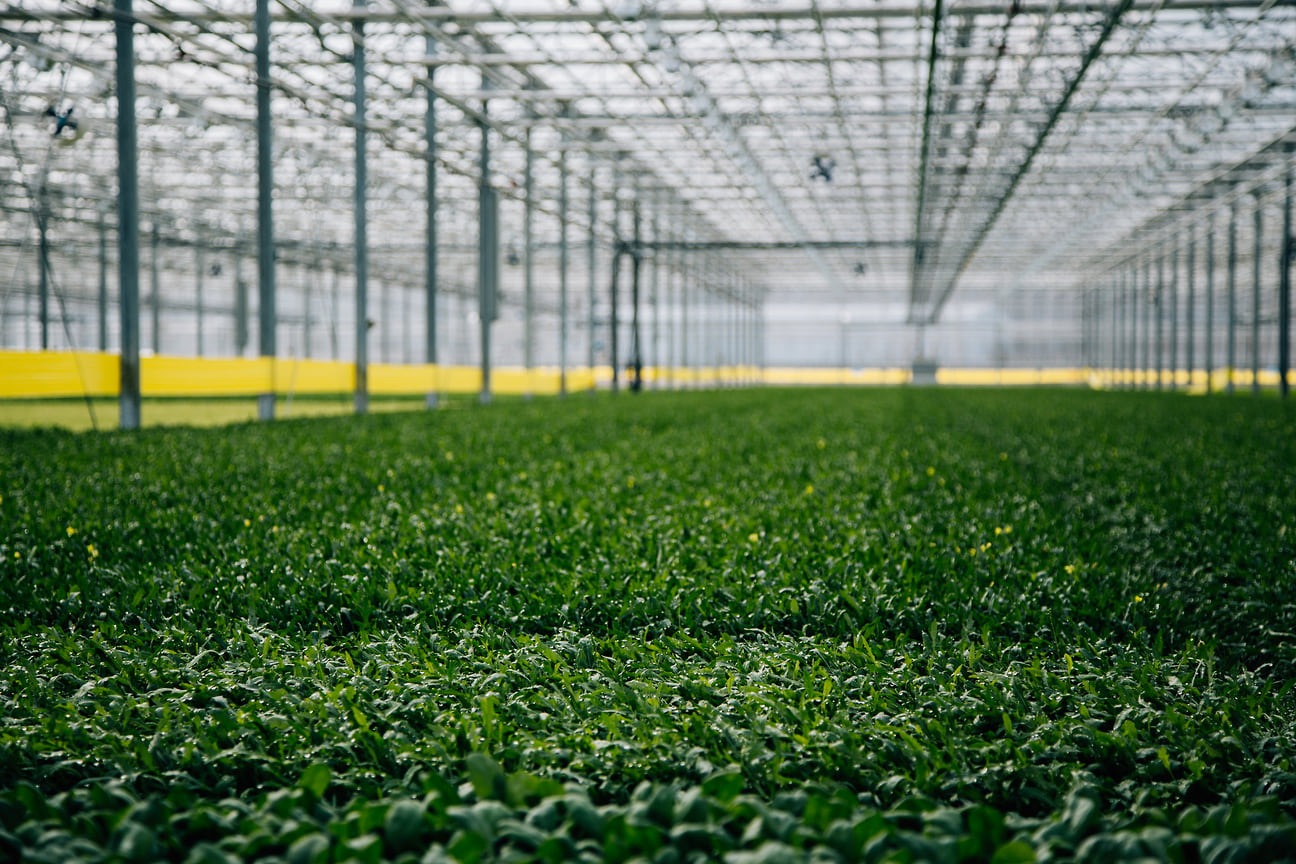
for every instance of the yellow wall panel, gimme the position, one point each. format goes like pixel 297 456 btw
pixel 25 374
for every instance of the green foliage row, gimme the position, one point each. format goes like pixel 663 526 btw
pixel 763 625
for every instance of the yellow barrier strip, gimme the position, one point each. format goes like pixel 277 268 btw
pixel 61 374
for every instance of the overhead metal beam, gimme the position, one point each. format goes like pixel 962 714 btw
pixel 700 13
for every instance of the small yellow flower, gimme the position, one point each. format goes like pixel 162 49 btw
pixel 17 556
pixel 94 553
pixel 247 523
pixel 449 457
pixel 998 530
pixel 630 482
pixel 274 529
pixel 1070 568
pixel 931 471
pixel 753 537
pixel 821 443
pixel 458 508
pixel 1007 529
pixel 71 530
pixel 490 496
pixel 380 488
pixel 809 490
pixel 706 502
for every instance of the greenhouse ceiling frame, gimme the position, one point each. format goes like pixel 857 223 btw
pixel 820 148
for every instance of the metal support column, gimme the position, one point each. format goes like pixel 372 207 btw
pixel 1148 304
pixel 562 270
pixel 591 266
pixel 265 219
pixel 1284 282
pixel 1173 312
pixel 1190 314
pixel 103 282
pixel 199 268
pixel 128 398
pixel 1230 289
pixel 528 259
pixel 43 263
pixel 1257 253
pixel 361 215
pixel 1210 303
pixel 636 336
pixel 431 242
pixel 1159 297
pixel 155 290
pixel 487 250
pixel 654 302
pixel 613 323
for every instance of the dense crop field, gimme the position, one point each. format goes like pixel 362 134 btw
pixel 752 626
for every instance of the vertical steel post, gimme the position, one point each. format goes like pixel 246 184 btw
pixel 103 282
pixel 528 260
pixel 155 290
pixel 240 300
pixel 199 267
pixel 686 273
pixel 1284 281
pixel 613 323
pixel 636 335
pixel 1160 320
pixel 591 262
pixel 1256 285
pixel 487 249
pixel 265 219
pixel 43 264
pixel 1210 303
pixel 1190 315
pixel 655 362
pixel 361 216
pixel 562 269
pixel 1230 289
pixel 1148 304
pixel 431 241
pixel 128 398
pixel 1173 312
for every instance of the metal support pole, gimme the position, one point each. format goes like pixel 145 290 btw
pixel 1230 289
pixel 43 264
pixel 361 215
pixel 128 398
pixel 240 300
pixel 155 290
pixel 1148 304
pixel 199 268
pixel 528 260
pixel 103 283
pixel 1160 321
pixel 1210 303
pixel 265 218
pixel 592 261
pixel 430 252
pixel 636 338
pixel 1284 283
pixel 562 271
pixel 487 250
pixel 686 272
pixel 654 302
pixel 1173 312
pixel 1258 251
pixel 613 323
pixel 1190 315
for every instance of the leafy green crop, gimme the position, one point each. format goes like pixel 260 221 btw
pixel 750 626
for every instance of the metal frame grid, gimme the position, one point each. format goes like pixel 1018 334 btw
pixel 852 169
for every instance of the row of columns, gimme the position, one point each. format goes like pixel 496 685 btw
pixel 728 326
pixel 1132 322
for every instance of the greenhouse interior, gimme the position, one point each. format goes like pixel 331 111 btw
pixel 634 193
pixel 737 431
